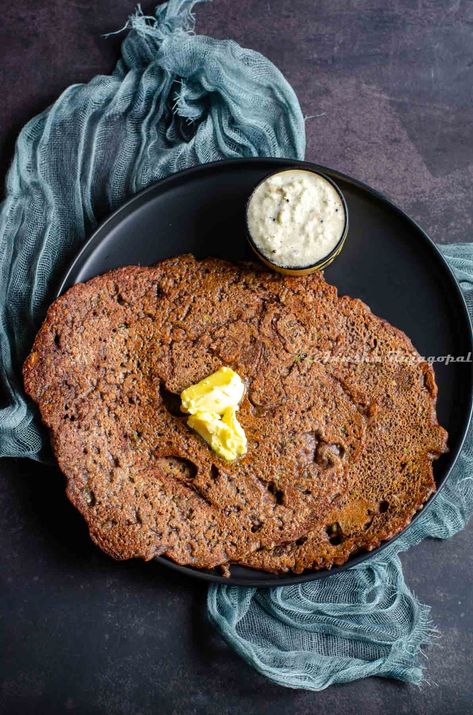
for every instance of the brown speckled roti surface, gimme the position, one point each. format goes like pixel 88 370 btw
pixel 326 440
pixel 392 477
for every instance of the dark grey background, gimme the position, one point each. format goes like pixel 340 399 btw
pixel 388 89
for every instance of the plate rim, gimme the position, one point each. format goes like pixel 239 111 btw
pixel 286 579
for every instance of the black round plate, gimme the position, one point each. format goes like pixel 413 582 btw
pixel 388 261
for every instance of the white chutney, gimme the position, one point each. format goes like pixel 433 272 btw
pixel 295 218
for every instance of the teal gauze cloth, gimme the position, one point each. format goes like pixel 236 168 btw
pixel 176 99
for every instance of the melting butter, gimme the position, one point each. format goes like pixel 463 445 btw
pixel 223 433
pixel 214 393
pixel 212 404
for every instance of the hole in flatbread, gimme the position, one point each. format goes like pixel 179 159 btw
pixel 177 468
pixel 278 494
pixel 334 533
pixel 257 526
pixel 90 497
pixel 301 541
pixel 383 506
pixel 171 401
pixel 57 340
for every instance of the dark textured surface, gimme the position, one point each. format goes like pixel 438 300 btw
pixel 389 89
